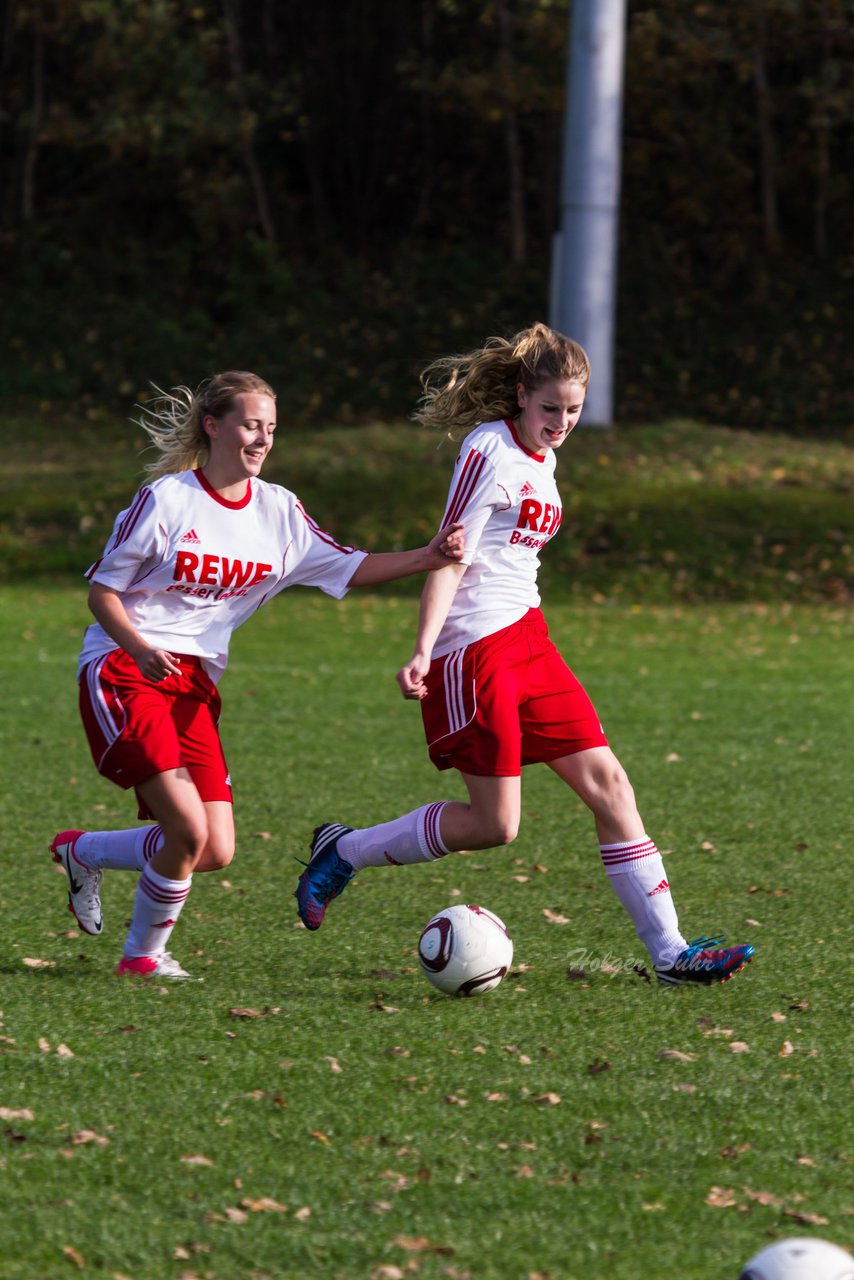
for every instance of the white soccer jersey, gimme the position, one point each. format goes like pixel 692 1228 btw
pixel 191 566
pixel 507 499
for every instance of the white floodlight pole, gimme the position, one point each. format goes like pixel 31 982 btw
pixel 584 257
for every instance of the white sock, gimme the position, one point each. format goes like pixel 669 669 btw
pixel 127 850
pixel 637 876
pixel 156 909
pixel 413 838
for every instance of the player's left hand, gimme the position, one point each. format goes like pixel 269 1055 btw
pixel 448 544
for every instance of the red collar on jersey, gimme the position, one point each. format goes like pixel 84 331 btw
pixel 224 502
pixel 538 457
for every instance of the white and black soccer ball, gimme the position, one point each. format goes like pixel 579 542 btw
pixel 465 950
pixel 800 1259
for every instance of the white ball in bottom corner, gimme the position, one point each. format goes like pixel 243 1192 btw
pixel 800 1259
pixel 465 950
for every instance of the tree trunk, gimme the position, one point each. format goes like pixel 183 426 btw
pixel 822 143
pixel 425 102
pixel 767 150
pixel 31 155
pixel 231 13
pixel 7 215
pixel 507 90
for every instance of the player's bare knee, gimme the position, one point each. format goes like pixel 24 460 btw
pixel 217 855
pixel 502 831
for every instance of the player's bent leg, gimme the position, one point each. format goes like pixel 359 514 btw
pixel 175 802
pixel 219 850
pixel 490 819
pixel 598 778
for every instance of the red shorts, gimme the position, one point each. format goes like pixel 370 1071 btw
pixel 505 701
pixel 137 729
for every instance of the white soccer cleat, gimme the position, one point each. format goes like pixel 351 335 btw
pixel 84 899
pixel 160 966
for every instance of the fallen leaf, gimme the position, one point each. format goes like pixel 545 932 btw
pixel 786 1049
pixel 84 1136
pixel 73 1255
pixel 721 1197
pixel 454 1100
pixel 380 1007
pixel 730 1152
pixel 811 1164
pixel 684 1088
pixel 200 1160
pixel 675 1055
pixel 63 1051
pixel 763 1197
pixel 495 1097
pixel 264 1205
pixel 304 1213
pixel 387 1272
pixel 547 1099
pixel 33 963
pixel 10 1113
pixel 739 1046
pixel 554 917
pixel 420 1244
pixel 321 1137
pixel 334 1065
pixel 778 1017
pixel 523 1171
pixel 809 1219
pixel 235 1215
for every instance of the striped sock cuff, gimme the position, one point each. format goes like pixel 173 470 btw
pixel 429 839
pixel 627 854
pixel 162 891
pixel 152 841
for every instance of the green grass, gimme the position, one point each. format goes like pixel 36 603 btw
pixel 674 511
pixel 350 1122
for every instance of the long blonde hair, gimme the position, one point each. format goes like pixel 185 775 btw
pixel 174 419
pixel 464 390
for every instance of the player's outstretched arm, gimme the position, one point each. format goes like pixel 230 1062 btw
pixel 385 566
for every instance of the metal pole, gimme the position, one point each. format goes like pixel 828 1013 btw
pixel 584 260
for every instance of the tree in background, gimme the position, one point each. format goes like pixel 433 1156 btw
pixel 336 192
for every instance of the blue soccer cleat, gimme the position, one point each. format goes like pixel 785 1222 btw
pixel 705 961
pixel 326 875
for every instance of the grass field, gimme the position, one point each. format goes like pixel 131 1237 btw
pixel 313 1108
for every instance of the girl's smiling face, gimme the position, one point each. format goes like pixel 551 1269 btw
pixel 241 439
pixel 548 413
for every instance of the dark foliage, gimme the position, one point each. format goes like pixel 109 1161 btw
pixel 335 194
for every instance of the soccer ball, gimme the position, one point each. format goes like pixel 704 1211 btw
pixel 465 950
pixel 800 1259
